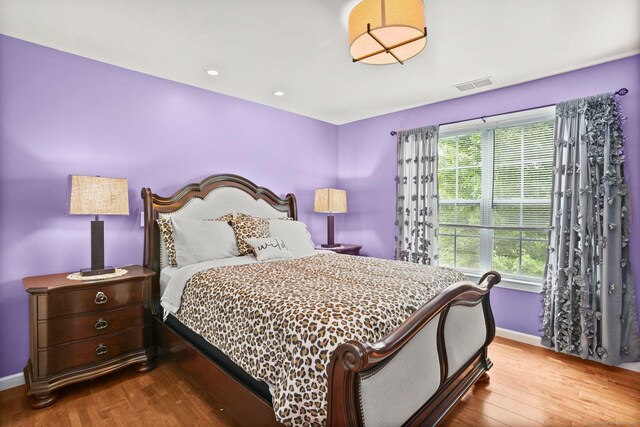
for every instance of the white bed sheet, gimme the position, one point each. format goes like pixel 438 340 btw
pixel 165 275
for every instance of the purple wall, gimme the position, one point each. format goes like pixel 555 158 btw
pixel 367 164
pixel 62 114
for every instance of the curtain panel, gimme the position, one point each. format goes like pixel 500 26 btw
pixel 589 305
pixel 417 196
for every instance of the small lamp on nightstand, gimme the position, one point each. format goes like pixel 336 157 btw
pixel 95 195
pixel 330 200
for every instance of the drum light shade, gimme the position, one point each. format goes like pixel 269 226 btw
pixel 387 31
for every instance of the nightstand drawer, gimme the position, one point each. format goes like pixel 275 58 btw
pixel 94 350
pixel 66 329
pixel 87 300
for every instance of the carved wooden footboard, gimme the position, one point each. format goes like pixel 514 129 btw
pixel 419 371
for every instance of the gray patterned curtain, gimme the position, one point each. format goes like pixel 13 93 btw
pixel 417 196
pixel 589 305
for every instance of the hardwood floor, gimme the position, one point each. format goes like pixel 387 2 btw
pixel 529 386
pixel 534 386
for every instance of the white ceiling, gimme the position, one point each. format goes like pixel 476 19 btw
pixel 301 47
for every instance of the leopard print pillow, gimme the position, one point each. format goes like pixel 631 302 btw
pixel 226 218
pixel 246 227
pixel 166 232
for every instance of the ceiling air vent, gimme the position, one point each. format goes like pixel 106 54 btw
pixel 463 87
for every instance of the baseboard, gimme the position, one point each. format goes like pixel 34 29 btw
pixel 519 336
pixel 535 341
pixel 635 366
pixel 11 381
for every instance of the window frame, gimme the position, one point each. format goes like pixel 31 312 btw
pixel 486 127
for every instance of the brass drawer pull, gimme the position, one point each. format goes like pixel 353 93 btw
pixel 101 298
pixel 101 349
pixel 101 324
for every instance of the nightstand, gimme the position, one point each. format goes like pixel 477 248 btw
pixel 83 329
pixel 344 248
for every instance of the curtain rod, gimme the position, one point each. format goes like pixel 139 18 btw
pixel 620 92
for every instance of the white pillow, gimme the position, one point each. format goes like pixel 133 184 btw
pixel 198 240
pixel 295 234
pixel 268 248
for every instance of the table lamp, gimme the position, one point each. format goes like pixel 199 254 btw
pixel 96 195
pixel 331 201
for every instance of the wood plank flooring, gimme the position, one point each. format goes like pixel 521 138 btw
pixel 529 386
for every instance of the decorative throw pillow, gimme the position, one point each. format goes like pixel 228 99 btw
pixel 198 240
pixel 295 234
pixel 247 227
pixel 166 233
pixel 269 248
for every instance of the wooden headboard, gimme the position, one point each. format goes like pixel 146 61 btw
pixel 155 205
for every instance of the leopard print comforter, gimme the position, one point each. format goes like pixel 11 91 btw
pixel 281 320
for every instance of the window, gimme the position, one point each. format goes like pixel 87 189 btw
pixel 495 189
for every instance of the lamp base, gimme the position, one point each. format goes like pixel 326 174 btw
pixel 97 251
pixel 333 245
pixel 97 272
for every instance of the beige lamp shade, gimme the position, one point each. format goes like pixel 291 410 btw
pixel 96 195
pixel 387 31
pixel 330 200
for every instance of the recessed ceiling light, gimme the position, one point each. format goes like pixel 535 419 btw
pixel 278 93
pixel 212 72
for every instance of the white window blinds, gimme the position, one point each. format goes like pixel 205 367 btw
pixel 522 173
pixel 495 189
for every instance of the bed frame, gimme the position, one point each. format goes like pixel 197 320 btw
pixel 441 348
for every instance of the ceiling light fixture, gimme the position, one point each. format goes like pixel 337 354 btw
pixel 385 32
pixel 278 93
pixel 213 72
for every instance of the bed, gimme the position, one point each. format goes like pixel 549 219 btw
pixel 412 375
